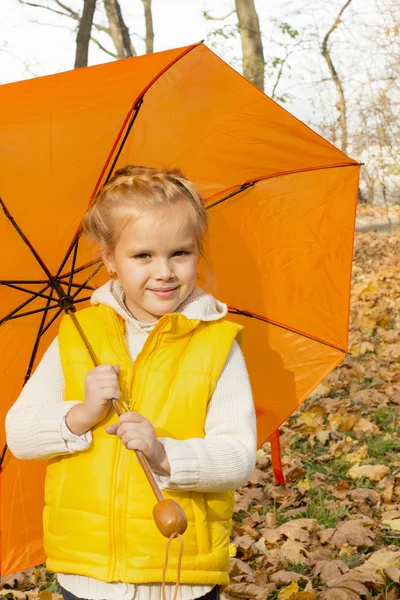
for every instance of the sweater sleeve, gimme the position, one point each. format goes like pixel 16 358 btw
pixel 35 424
pixel 225 458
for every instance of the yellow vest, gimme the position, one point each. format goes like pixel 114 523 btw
pixel 98 516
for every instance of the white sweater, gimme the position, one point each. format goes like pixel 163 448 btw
pixel 223 460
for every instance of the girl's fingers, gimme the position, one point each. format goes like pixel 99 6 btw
pixel 131 417
pixel 138 444
pixel 112 429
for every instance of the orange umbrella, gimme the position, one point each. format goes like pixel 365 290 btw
pixel 281 203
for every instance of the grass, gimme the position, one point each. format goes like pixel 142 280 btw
pixel 379 448
pixel 299 568
pixel 384 417
pixel 317 509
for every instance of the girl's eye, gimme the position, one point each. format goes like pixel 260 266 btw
pixel 181 253
pixel 142 256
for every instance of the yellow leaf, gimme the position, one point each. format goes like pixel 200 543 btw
pixel 45 595
pixel 304 484
pixel 344 422
pixel 286 592
pixel 373 472
pixel 311 421
pixel 321 391
pixel 393 524
pixel 232 550
pixel 357 456
pixel 385 558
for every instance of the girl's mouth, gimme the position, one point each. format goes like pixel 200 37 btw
pixel 163 292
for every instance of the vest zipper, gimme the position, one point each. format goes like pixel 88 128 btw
pixel 118 536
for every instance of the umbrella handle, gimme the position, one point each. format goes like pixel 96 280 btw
pixel 168 515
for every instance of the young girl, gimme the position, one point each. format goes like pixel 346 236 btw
pixel 170 357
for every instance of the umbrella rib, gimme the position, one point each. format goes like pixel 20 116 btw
pixel 72 267
pixel 127 132
pixel 245 313
pixel 38 336
pixel 76 285
pixel 78 234
pixel 32 292
pixel 3 454
pixel 82 285
pixel 79 269
pixel 244 186
pixel 31 281
pixel 13 312
pixel 25 239
pixel 50 323
pixel 26 314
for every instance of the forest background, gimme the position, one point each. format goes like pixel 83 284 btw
pixel 332 532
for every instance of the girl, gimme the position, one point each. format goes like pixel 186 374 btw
pixel 172 360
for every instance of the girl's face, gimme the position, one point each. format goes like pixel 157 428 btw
pixel 155 258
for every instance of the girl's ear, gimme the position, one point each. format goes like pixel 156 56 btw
pixel 108 260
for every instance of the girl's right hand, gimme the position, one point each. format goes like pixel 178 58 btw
pixel 101 385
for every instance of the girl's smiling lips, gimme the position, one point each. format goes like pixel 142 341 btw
pixel 163 292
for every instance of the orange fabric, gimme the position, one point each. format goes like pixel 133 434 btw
pixel 282 249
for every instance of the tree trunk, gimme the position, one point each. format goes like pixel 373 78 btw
pixel 252 49
pixel 341 104
pixel 118 30
pixel 148 17
pixel 84 31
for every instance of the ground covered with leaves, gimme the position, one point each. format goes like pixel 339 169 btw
pixel 333 531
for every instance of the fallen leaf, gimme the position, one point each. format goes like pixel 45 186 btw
pixel 365 426
pixel 357 533
pixel 393 573
pixel 343 422
pixel 294 552
pixel 326 570
pixel 373 472
pixel 322 437
pixel 394 524
pixel 299 529
pixel 286 577
pixel 385 558
pixel 287 592
pixel 357 456
pixel 251 590
pixel 241 571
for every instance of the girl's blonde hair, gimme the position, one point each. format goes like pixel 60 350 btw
pixel 133 189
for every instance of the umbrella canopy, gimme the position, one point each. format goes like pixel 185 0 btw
pixel 281 204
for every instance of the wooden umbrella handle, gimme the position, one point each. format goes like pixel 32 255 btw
pixel 168 515
pixel 142 459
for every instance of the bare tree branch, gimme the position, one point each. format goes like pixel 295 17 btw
pixel 27 67
pixel 252 49
pixel 341 105
pixel 148 17
pixel 208 17
pixel 118 29
pixel 84 34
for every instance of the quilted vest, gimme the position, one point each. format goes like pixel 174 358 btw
pixel 98 515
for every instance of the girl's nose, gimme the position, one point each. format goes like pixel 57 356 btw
pixel 164 270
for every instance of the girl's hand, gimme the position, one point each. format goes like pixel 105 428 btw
pixel 101 385
pixel 137 433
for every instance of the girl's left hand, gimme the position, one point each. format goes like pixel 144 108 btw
pixel 137 433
